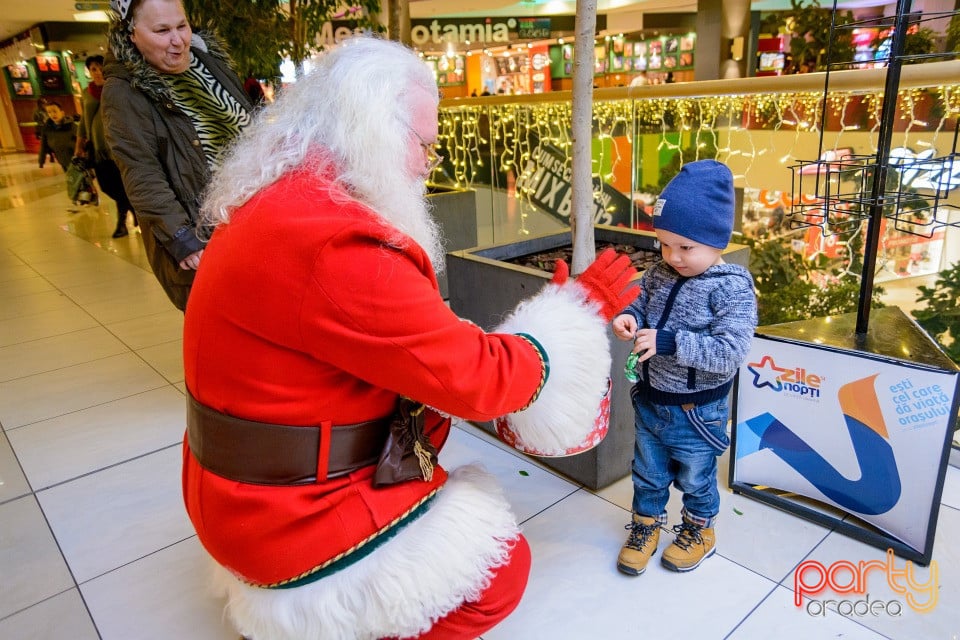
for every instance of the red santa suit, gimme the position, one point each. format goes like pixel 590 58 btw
pixel 305 313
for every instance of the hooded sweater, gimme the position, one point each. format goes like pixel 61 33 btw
pixel 704 328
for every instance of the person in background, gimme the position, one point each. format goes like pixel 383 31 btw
pixel 40 117
pixel 92 142
pixel 323 366
pixel 691 327
pixel 58 135
pixel 788 66
pixel 171 104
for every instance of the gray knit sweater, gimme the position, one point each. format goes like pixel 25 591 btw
pixel 704 328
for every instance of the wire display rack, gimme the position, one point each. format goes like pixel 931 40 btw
pixel 843 187
pixel 849 190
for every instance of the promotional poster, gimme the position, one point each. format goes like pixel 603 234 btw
pixel 865 435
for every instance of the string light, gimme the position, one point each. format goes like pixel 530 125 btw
pixel 491 140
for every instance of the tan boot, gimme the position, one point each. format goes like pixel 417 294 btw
pixel 640 545
pixel 693 545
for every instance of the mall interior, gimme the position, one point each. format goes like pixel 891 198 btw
pixel 94 539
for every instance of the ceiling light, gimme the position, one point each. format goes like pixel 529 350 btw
pixel 91 16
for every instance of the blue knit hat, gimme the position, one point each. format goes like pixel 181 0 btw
pixel 698 204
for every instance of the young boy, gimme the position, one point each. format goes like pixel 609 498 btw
pixel 691 326
pixel 59 135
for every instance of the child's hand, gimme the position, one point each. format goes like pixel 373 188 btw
pixel 624 326
pixel 645 344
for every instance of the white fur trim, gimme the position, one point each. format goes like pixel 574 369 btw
pixel 431 567
pixel 575 338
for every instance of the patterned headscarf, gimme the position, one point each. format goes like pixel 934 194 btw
pixel 121 7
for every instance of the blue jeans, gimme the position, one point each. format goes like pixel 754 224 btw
pixel 678 445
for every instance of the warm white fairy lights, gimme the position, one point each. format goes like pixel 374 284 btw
pixel 500 143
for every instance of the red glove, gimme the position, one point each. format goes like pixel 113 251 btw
pixel 605 282
pixel 560 272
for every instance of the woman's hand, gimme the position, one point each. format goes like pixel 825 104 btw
pixel 192 261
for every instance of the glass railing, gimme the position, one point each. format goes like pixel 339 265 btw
pixel 777 134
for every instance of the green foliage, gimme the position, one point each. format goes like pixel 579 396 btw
pixel 701 148
pixel 953 33
pixel 307 17
pixel 919 42
pixel 790 287
pixel 236 22
pixel 773 23
pixel 809 26
pixel 941 315
pixel 259 33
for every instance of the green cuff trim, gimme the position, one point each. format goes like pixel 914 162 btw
pixel 544 364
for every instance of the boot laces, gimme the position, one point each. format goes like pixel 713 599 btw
pixel 639 534
pixel 688 534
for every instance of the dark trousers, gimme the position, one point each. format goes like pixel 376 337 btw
pixel 108 175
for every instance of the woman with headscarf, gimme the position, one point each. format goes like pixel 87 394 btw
pixel 171 104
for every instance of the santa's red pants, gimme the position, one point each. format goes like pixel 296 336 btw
pixel 496 603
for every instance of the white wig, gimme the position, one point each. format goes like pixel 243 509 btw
pixel 348 119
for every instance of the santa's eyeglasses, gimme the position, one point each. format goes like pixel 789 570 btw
pixel 434 157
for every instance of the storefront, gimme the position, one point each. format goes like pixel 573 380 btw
pixel 547 65
pixel 505 56
pixel 50 76
pixel 636 58
pixel 529 55
pixel 44 62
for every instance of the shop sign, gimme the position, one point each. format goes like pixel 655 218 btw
pixel 425 32
pixel 533 28
pixel 336 31
pixel 457 32
pixel 923 171
pixel 545 183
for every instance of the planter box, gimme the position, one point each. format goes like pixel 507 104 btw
pixel 455 210
pixel 483 288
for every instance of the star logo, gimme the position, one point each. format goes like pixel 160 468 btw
pixel 766 373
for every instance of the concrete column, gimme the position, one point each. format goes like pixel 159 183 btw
pixel 719 24
pixel 736 33
pixel 706 65
pixel 10 138
pixel 405 22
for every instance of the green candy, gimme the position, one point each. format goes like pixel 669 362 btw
pixel 630 371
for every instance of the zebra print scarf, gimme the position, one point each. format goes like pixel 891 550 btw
pixel 217 117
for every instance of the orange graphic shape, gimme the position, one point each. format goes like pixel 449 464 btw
pixel 858 399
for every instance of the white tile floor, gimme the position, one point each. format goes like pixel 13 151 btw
pixel 94 542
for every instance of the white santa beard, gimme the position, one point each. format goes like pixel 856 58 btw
pixel 406 208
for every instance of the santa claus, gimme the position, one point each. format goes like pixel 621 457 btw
pixel 323 368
